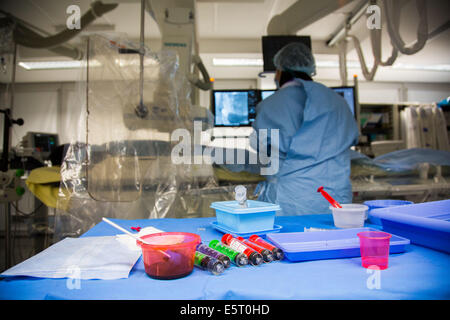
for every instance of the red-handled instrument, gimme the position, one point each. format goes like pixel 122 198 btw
pixel 333 202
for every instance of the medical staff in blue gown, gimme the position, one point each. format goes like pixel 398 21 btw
pixel 316 131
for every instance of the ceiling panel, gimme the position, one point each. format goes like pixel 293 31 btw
pixel 231 20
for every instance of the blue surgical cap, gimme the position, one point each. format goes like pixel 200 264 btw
pixel 295 56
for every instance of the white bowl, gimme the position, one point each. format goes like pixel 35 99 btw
pixel 350 215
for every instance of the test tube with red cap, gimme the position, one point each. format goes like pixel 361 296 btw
pixel 253 256
pixel 278 254
pixel 266 254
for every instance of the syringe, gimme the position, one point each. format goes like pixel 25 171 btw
pixel 203 248
pixel 278 254
pixel 206 262
pixel 266 254
pixel 254 257
pixel 236 257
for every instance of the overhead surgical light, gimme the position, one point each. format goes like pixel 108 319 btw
pixel 237 62
pixel 222 62
pixel 51 65
pixel 432 67
pixel 397 66
pixel 135 62
pixel 254 62
pixel 335 64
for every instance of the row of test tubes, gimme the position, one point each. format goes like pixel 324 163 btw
pixel 219 255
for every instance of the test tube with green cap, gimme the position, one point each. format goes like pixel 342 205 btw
pixel 238 258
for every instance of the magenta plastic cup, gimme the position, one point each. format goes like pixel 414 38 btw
pixel 374 246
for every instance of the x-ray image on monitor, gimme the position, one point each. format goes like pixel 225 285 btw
pixel 231 108
pixel 235 108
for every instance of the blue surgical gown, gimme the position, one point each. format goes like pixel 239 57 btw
pixel 316 131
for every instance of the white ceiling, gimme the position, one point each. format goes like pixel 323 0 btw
pixel 232 28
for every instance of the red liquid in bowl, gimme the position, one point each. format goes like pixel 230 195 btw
pixel 170 255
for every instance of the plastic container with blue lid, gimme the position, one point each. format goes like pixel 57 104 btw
pixel 426 224
pixel 215 225
pixel 333 244
pixel 256 216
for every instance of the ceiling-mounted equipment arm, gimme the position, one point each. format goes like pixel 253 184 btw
pixel 204 84
pixel 176 22
pixel 301 14
pixel 62 50
pixel 375 37
pixel 393 9
pixel 28 38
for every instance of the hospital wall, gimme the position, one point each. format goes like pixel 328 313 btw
pixel 44 106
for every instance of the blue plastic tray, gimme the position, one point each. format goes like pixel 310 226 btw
pixel 224 229
pixel 258 215
pixel 426 224
pixel 334 244
pixel 383 203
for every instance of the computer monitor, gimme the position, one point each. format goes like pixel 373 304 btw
pixel 272 44
pixel 348 93
pixel 234 108
pixel 266 93
pixel 43 143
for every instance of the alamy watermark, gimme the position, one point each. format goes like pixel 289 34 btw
pixel 267 159
pixel 73 278
pixel 374 280
pixel 74 20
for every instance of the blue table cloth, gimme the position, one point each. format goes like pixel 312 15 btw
pixel 419 273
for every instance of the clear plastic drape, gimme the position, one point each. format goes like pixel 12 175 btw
pixel 119 164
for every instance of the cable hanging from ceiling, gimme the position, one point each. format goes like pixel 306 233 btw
pixel 392 12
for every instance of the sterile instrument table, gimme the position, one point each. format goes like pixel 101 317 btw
pixel 418 273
